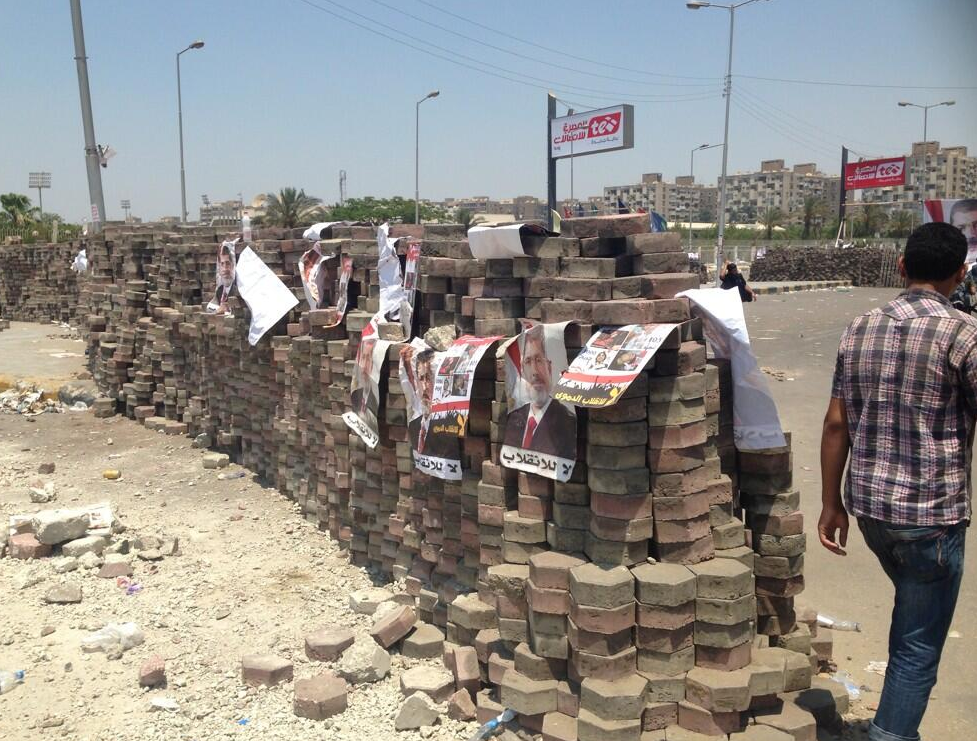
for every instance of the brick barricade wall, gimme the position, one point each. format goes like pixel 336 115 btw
pixel 654 588
pixel 863 266
pixel 36 282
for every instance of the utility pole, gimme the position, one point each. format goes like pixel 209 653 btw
pixel 40 181
pixel 91 149
pixel 342 187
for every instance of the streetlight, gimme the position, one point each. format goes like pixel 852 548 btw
pixel 721 226
pixel 692 175
pixel 179 108
pixel 926 110
pixel 126 205
pixel 417 153
pixel 39 180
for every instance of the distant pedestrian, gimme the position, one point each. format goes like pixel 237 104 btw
pixel 903 407
pixel 731 277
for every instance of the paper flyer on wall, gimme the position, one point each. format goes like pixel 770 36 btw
pixel 438 387
pixel 363 417
pixel 612 359
pixel 540 432
pixel 342 301
pixel 311 268
pixel 389 274
pixel 505 241
pixel 962 213
pixel 756 424
pixel 266 296
pixel 410 287
pixel 225 273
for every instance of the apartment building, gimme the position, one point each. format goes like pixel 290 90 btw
pixel 678 201
pixel 748 194
pixel 931 172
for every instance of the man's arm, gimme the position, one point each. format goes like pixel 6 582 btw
pixel 835 444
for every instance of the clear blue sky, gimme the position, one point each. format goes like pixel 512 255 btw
pixel 286 94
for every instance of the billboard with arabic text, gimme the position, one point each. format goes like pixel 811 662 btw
pixel 602 130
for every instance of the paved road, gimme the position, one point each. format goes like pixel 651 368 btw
pixel 43 353
pixel 798 334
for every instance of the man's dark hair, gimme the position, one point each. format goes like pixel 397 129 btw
pixel 966 204
pixel 934 252
pixel 731 268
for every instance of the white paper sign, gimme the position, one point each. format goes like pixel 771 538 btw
pixel 388 269
pixel 266 296
pixel 491 242
pixel 756 424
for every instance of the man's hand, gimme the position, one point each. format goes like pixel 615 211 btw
pixel 833 519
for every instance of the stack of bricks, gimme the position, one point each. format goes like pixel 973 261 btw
pixel 545 590
pixel 37 283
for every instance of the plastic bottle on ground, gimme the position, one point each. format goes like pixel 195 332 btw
pixel 486 730
pixel 10 680
pixel 826 621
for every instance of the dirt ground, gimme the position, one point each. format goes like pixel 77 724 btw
pixel 254 577
pixel 796 335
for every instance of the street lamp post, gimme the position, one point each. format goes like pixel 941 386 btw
pixel 692 175
pixel 926 110
pixel 417 153
pixel 179 108
pixel 721 226
pixel 39 180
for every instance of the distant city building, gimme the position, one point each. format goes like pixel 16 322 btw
pixel 678 201
pixel 221 212
pixel 938 172
pixel 749 194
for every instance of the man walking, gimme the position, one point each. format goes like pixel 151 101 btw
pixel 903 402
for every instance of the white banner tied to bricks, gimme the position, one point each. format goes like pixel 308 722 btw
pixel 266 296
pixel 756 424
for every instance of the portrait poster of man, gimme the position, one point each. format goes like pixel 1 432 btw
pixel 438 387
pixel 312 271
pixel 363 416
pixel 540 432
pixel 343 291
pixel 225 277
pixel 410 287
pixel 962 213
pixel 612 359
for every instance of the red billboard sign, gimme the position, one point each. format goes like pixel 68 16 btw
pixel 875 173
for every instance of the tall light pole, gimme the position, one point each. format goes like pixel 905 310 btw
pixel 126 205
pixel 179 110
pixel 92 160
pixel 692 175
pixel 721 226
pixel 417 153
pixel 39 180
pixel 926 111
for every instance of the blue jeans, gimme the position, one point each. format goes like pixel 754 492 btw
pixel 925 564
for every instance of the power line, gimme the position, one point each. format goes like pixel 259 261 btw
pixel 546 84
pixel 772 110
pixel 601 63
pixel 758 115
pixel 618 78
pixel 858 84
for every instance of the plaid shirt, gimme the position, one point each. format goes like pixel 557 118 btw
pixel 907 373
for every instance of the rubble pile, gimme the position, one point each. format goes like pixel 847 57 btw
pixel 37 283
pixel 863 266
pixel 653 589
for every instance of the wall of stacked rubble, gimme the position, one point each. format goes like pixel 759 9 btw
pixel 36 282
pixel 654 589
pixel 863 266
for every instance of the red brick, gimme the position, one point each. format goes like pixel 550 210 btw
pixel 26 546
pixel 698 719
pixel 265 669
pixel 724 659
pixel 621 507
pixel 393 626
pixel 319 697
pixel 465 670
pixel 152 672
pixel 550 601
pixel 677 436
pixel 602 619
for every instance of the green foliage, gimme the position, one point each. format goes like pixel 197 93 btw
pixel 770 218
pixel 812 214
pixel 396 209
pixel 871 221
pixel 291 208
pixel 17 209
pixel 900 224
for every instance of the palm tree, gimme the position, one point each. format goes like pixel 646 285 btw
pixel 468 219
pixel 290 208
pixel 770 218
pixel 900 224
pixel 812 214
pixel 17 209
pixel 872 221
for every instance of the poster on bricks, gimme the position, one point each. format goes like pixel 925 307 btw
pixel 344 275
pixel 612 359
pixel 962 213
pixel 540 431
pixel 312 271
pixel 438 387
pixel 363 417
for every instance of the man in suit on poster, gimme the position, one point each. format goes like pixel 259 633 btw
pixel 422 439
pixel 543 425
